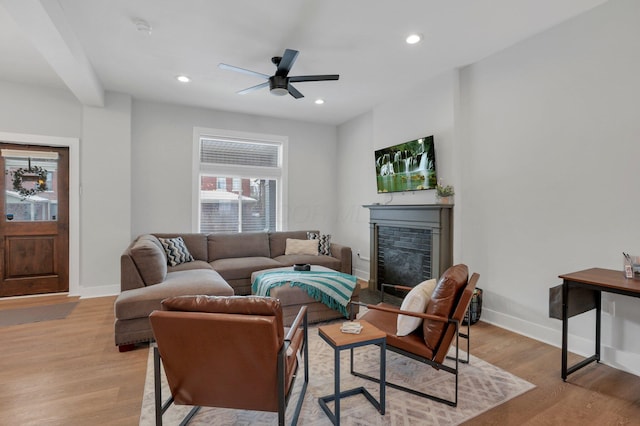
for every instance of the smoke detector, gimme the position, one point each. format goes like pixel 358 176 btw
pixel 142 25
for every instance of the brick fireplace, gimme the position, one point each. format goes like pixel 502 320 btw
pixel 409 243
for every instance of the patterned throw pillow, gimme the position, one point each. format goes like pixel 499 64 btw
pixel 176 250
pixel 324 243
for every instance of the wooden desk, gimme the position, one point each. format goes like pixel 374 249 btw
pixel 599 280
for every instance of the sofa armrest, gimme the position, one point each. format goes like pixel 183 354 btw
pixel 343 254
pixel 129 276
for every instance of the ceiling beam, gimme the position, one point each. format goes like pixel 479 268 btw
pixel 45 25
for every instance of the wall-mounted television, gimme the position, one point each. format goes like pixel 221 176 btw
pixel 409 166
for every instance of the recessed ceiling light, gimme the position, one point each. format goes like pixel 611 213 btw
pixel 183 79
pixel 414 38
pixel 319 101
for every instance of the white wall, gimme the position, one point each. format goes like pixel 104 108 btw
pixel 425 110
pixel 162 159
pixel 355 160
pixel 551 171
pixel 106 193
pixel 40 111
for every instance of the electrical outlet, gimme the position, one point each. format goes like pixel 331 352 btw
pixel 609 307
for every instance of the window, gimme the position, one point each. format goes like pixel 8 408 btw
pixel 237 184
pixel 33 196
pixel 221 183
pixel 240 181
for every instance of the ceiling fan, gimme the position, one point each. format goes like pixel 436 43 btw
pixel 280 83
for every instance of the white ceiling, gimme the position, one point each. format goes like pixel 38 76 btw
pixel 89 46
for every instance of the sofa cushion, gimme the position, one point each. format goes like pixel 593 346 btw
pixel 196 264
pixel 308 247
pixel 176 250
pixel 324 242
pixel 242 267
pixel 140 302
pixel 443 301
pixel 327 261
pixel 278 240
pixel 245 244
pixel 148 255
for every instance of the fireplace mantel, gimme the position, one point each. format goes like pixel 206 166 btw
pixel 422 232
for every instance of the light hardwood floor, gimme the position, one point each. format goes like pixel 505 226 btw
pixel 68 372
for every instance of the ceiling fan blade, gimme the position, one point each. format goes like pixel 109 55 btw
pixel 286 62
pixel 294 92
pixel 252 88
pixel 242 70
pixel 314 77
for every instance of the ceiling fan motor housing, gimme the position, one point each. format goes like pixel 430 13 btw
pixel 279 85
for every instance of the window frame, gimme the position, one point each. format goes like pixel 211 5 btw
pixel 236 171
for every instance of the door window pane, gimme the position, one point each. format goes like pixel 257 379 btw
pixel 31 192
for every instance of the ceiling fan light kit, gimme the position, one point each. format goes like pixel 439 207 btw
pixel 280 83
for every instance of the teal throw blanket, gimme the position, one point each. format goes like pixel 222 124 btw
pixel 332 288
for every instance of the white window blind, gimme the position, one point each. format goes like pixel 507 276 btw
pixel 240 153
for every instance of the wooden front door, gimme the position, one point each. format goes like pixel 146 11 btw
pixel 34 220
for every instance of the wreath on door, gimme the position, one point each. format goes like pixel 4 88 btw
pixel 33 173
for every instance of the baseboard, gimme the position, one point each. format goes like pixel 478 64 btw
pixel 98 291
pixel 361 274
pixel 625 361
pixel 551 336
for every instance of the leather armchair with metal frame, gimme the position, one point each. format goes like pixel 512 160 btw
pixel 231 352
pixel 430 343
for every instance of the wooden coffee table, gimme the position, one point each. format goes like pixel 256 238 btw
pixel 369 335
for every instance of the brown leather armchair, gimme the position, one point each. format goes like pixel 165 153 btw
pixel 430 342
pixel 230 352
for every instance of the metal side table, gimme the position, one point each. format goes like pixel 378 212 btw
pixel 339 341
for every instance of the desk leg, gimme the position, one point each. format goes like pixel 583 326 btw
pixel 598 296
pixel 565 325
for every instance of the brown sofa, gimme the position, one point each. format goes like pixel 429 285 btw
pixel 222 266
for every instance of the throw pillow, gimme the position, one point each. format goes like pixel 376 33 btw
pixel 309 247
pixel 324 242
pixel 415 301
pixel 176 250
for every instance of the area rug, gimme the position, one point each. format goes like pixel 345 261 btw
pixel 482 386
pixel 35 314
